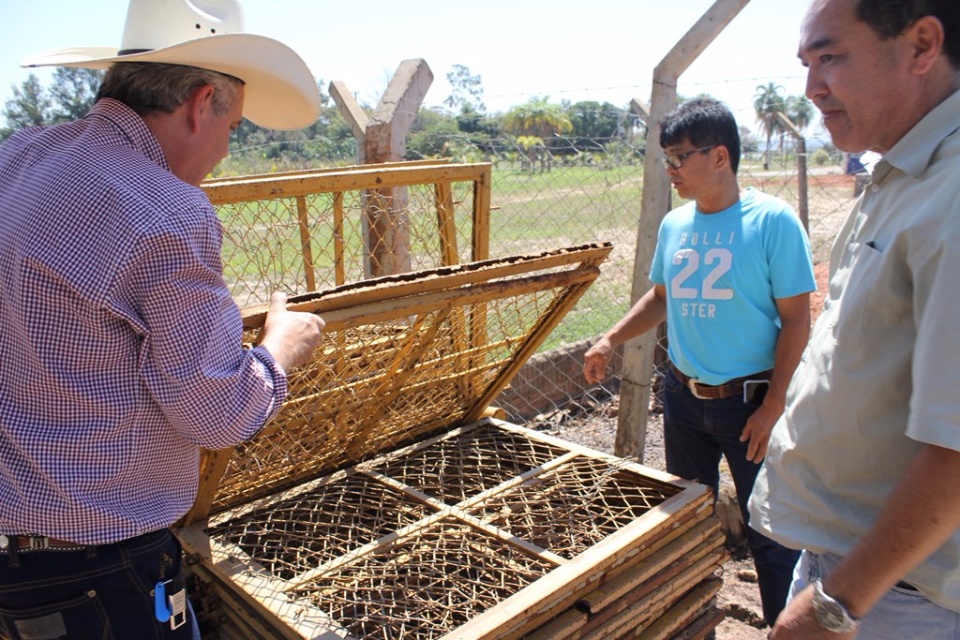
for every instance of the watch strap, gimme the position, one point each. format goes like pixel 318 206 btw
pixel 831 613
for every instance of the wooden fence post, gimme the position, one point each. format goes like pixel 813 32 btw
pixel 382 137
pixel 802 180
pixel 638 355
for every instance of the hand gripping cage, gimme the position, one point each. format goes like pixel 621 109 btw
pixel 386 501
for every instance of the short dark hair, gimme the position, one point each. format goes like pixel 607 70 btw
pixel 705 122
pixel 890 18
pixel 149 87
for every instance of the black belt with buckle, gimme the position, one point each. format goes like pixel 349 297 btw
pixel 729 389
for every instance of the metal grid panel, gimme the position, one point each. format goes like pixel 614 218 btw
pixel 393 370
pixel 587 500
pixel 316 230
pixel 426 585
pixel 319 525
pixel 373 550
pixel 455 469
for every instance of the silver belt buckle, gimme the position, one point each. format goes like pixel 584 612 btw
pixel 38 543
pixel 692 385
pixel 34 543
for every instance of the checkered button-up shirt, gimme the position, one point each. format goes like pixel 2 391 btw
pixel 121 344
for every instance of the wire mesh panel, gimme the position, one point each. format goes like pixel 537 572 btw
pixel 424 585
pixel 306 231
pixel 319 525
pixel 372 552
pixel 455 469
pixel 379 505
pixel 403 357
pixel 587 500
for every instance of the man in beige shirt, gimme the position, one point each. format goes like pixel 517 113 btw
pixel 863 470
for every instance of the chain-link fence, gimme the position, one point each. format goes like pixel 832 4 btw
pixel 574 196
pixel 539 198
pixel 306 231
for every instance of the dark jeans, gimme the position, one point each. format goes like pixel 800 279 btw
pixel 696 433
pixel 103 592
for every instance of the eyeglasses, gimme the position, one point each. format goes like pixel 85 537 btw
pixel 675 160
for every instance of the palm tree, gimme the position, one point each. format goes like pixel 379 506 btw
pixel 537 119
pixel 767 103
pixel 800 111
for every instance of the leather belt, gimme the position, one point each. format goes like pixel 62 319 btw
pixel 38 543
pixel 729 389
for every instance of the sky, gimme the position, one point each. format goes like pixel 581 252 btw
pixel 601 50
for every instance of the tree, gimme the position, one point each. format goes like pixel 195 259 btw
pixel 73 92
pixel 748 141
pixel 767 103
pixel 29 107
pixel 593 123
pixel 477 124
pixel 328 140
pixel 800 111
pixel 537 119
pixel 432 130
pixel 467 90
pixel 70 96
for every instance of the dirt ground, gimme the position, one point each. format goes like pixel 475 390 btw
pixel 595 425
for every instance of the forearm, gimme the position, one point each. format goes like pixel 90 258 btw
pixel 794 333
pixel 648 312
pixel 211 390
pixel 790 346
pixel 922 513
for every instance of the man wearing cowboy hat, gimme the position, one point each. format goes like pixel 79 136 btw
pixel 121 343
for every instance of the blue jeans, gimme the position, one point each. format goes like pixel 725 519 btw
pixel 901 613
pixel 696 434
pixel 101 592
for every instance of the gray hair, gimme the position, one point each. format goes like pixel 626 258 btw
pixel 147 87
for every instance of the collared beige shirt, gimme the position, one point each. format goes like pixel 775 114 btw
pixel 881 374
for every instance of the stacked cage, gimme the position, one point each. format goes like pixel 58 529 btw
pixel 388 501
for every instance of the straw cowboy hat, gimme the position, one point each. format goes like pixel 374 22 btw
pixel 280 91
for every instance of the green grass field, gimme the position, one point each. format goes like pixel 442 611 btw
pixel 530 212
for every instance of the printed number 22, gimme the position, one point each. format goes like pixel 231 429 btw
pixel 722 258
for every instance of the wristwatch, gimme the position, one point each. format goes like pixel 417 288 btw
pixel 831 614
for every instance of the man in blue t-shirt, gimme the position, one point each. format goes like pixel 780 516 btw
pixel 732 275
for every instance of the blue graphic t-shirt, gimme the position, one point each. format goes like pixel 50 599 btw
pixel 723 272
